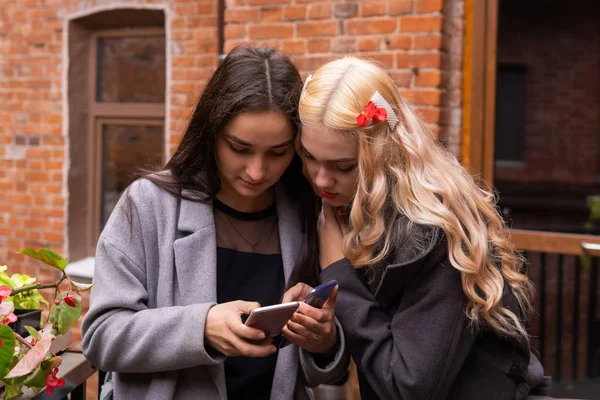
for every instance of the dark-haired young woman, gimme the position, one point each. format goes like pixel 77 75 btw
pixel 191 248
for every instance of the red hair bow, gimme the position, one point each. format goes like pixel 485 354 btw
pixel 371 112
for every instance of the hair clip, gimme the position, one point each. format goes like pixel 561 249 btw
pixel 308 79
pixel 379 110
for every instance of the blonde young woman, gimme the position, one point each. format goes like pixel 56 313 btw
pixel 432 297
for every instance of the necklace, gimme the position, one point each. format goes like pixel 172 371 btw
pixel 260 240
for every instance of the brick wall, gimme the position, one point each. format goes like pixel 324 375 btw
pixel 560 47
pixel 410 38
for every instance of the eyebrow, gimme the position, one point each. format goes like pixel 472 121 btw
pixel 339 160
pixel 241 142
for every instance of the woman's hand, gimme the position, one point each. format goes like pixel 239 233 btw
pixel 331 228
pixel 225 332
pixel 311 328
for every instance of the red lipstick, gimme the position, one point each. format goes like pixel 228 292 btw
pixel 327 195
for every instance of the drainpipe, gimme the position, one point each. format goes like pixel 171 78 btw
pixel 221 31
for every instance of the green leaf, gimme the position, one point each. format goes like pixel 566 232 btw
pixel 33 332
pixel 20 280
pixel 4 278
pixel 52 254
pixel 81 287
pixel 7 350
pixel 53 318
pixel 38 377
pixel 67 315
pixel 40 256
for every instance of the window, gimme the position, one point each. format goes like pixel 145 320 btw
pixel 511 101
pixel 116 91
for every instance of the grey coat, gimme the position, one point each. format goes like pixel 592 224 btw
pixel 155 282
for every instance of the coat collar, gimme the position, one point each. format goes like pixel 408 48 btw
pixel 195 278
pixel 411 257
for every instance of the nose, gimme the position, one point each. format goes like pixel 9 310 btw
pixel 323 179
pixel 256 168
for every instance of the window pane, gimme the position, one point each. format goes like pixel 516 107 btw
pixel 131 69
pixel 124 149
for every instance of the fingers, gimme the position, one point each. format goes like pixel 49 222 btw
pixel 253 350
pixel 246 332
pixel 330 303
pixel 297 293
pixel 316 325
pixel 245 307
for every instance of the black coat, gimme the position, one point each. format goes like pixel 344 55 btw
pixel 409 336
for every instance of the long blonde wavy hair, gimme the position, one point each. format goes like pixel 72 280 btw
pixel 406 172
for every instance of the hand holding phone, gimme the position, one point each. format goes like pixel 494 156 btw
pixel 272 319
pixel 319 295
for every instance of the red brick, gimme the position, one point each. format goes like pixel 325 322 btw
pixel 271 14
pixel 428 6
pixel 234 31
pixel 402 78
pixel 294 12
pixel 345 10
pixel 263 2
pixel 368 44
pixel 419 60
pixel 241 15
pixel 321 28
pixel 421 24
pixel 54 237
pixel 428 42
pixel 294 46
pixel 371 26
pixel 423 97
pixel 268 31
pixel 312 62
pixel 398 7
pixel 372 8
pixel 429 78
pixel 319 10
pixel 384 60
pixel 319 45
pixel 430 115
pixel 399 42
pixel 343 45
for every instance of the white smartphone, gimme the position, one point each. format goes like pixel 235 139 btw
pixel 272 319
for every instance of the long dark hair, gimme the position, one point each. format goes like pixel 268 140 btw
pixel 248 79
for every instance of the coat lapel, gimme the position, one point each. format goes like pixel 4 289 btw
pixel 196 265
pixel 290 238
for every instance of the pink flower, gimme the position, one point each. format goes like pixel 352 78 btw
pixel 10 318
pixel 52 381
pixel 5 291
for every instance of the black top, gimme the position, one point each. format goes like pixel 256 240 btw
pixel 249 277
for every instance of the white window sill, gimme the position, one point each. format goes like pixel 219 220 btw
pixel 83 270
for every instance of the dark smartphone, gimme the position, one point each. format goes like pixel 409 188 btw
pixel 319 295
pixel 316 298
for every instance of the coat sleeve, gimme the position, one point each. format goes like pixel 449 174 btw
pixel 416 351
pixel 119 332
pixel 313 375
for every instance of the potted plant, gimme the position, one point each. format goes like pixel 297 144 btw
pixel 27 303
pixel 29 363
